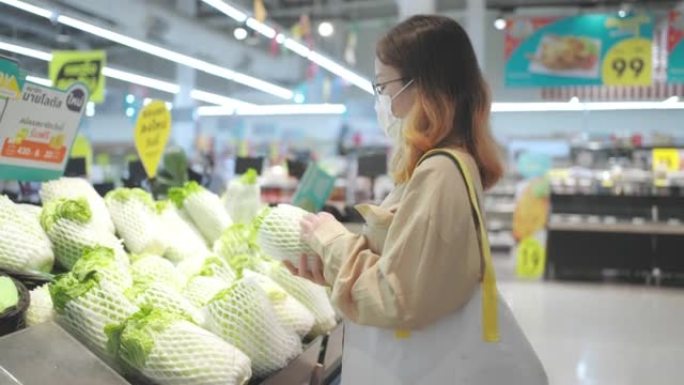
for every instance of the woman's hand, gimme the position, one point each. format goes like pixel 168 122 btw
pixel 308 226
pixel 311 222
pixel 313 273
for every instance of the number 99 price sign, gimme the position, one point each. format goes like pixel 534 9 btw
pixel 629 63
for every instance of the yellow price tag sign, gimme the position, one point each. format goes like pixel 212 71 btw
pixel 629 63
pixel 530 259
pixel 152 131
pixel 668 158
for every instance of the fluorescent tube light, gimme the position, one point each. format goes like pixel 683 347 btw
pixel 155 50
pixel 129 77
pixel 39 80
pixel 125 76
pixel 220 100
pixel 297 47
pixel 293 45
pixel 147 101
pixel 227 10
pixel 262 28
pixel 590 106
pixel 30 8
pixel 276 109
pixel 25 51
pixel 342 72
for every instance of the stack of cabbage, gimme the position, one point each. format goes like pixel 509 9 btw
pixel 191 299
pixel 24 246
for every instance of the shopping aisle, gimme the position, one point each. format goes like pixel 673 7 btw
pixel 602 334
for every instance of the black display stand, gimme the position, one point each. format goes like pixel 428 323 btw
pixel 636 238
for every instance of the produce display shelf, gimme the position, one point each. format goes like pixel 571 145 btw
pixel 300 370
pixel 47 354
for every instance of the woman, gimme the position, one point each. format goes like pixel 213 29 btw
pixel 418 286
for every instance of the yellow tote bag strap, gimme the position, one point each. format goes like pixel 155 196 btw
pixel 490 325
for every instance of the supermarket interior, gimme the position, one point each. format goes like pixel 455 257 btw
pixel 159 158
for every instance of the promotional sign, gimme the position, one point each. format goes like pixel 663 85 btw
pixel 37 130
pixel 152 131
pixel 68 67
pixel 531 259
pixel 580 50
pixel 529 226
pixel 11 79
pixel 314 189
pixel 667 158
pixel 675 47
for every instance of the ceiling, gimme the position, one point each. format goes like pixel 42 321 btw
pixel 373 16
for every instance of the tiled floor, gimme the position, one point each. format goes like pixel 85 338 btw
pixel 596 334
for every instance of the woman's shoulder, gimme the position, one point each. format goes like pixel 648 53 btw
pixel 441 166
pixel 441 162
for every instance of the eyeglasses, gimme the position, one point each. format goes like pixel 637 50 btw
pixel 378 88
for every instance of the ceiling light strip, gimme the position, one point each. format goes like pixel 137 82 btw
pixel 589 106
pixel 271 110
pixel 292 45
pixel 126 76
pixel 154 50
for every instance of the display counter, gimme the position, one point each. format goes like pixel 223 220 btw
pixel 47 354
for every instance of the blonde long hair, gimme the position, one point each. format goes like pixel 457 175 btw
pixel 452 104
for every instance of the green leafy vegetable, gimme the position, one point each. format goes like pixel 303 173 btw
pixel 169 350
pixel 76 210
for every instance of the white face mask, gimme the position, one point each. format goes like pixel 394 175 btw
pixel 389 123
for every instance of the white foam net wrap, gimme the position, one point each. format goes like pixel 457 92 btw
pixel 311 295
pixel 40 309
pixel 164 297
pixel 200 290
pixel 73 188
pixel 278 234
pixel 185 354
pixel 137 221
pixel 182 239
pixel 207 213
pixel 243 316
pixel 24 246
pixel 153 268
pixel 88 314
pixel 291 313
pixel 71 239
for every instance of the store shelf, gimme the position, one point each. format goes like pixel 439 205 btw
pixel 624 228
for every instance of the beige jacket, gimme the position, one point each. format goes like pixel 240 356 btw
pixel 418 259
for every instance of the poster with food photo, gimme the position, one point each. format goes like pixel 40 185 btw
pixel 590 49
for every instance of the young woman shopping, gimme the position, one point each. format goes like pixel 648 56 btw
pixel 417 288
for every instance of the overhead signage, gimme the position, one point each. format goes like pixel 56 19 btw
pixel 593 49
pixel 69 67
